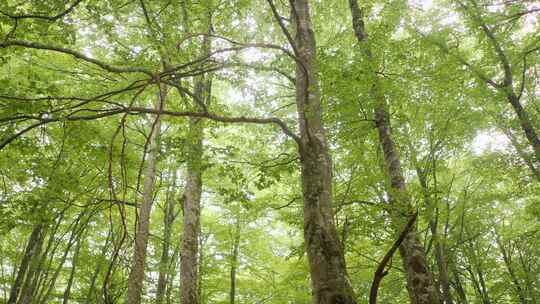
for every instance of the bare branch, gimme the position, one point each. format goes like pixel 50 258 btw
pixel 76 54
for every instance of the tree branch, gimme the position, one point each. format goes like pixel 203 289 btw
pixel 49 18
pixel 76 54
pixel 381 272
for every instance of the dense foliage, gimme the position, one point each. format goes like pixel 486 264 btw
pixel 119 114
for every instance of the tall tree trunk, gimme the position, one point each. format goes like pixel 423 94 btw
pixel 136 276
pixel 329 278
pixel 462 296
pixel 29 252
pixel 420 284
pixel 74 261
pixel 440 257
pixel 234 262
pixel 77 228
pixel 168 219
pixel 192 210
pixel 30 282
pixel 189 276
pixel 91 295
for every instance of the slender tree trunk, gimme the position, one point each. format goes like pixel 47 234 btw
pixel 77 229
pixel 168 219
pixel 29 253
pixel 440 257
pixel 136 276
pixel 462 296
pixel 234 262
pixel 508 263
pixel 91 295
pixel 74 261
pixel 485 294
pixel 420 284
pixel 329 278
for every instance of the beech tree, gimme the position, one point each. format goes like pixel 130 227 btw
pixel 263 151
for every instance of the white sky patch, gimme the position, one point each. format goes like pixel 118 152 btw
pixel 422 4
pixel 252 55
pixel 490 141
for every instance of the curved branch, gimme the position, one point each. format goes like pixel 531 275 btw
pixel 140 110
pixel 381 272
pixel 49 18
pixel 76 54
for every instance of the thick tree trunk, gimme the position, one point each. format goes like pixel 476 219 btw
pixel 327 268
pixel 168 219
pixel 234 262
pixel 29 253
pixel 136 276
pixel 30 282
pixel 420 284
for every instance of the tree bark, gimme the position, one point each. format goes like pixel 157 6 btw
pixel 74 260
pixel 30 282
pixel 420 284
pixel 462 296
pixel 329 278
pixel 440 257
pixel 136 276
pixel 91 295
pixel 29 253
pixel 168 219
pixel 234 262
pixel 192 210
pixel 525 123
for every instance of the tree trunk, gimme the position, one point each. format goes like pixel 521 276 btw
pixel 91 295
pixel 234 262
pixel 168 219
pixel 525 123
pixel 29 253
pixel 327 268
pixel 462 296
pixel 440 257
pixel 74 260
pixel 420 284
pixel 29 286
pixel 192 210
pixel 136 276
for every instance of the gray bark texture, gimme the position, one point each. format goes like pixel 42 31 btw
pixel 328 272
pixel 420 284
pixel 136 275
